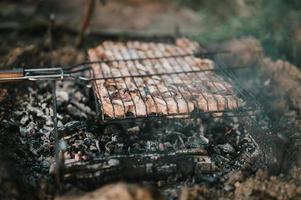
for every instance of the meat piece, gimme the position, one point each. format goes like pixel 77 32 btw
pixel 179 105
pixel 214 103
pixel 203 63
pixel 114 109
pixel 185 43
pixel 156 105
pixel 138 108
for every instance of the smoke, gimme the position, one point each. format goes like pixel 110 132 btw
pixel 275 86
pixel 276 24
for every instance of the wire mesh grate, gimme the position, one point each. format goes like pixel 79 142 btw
pixel 138 80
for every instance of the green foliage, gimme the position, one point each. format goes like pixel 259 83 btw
pixel 274 22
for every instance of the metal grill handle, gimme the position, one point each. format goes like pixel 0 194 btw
pixel 31 74
pixel 11 74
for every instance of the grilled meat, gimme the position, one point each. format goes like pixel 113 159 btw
pixel 143 93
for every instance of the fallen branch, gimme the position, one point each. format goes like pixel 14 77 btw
pixel 153 166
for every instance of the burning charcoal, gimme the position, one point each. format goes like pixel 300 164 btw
pixel 82 107
pixel 93 148
pixel 119 148
pixel 24 120
pixel 179 144
pixel 78 156
pixel 167 145
pixel 197 141
pixel 29 130
pixel 49 121
pixel 225 148
pixel 161 147
pixel 72 110
pixel 67 155
pixel 60 124
pixel 18 113
pixel 35 110
pixel 88 141
pixel 90 136
pixel 172 136
pixel 112 145
pixel 3 94
pixel 62 96
pixel 78 143
pixel 113 162
pixel 220 160
pixel 78 96
pixel 97 145
pixel 151 146
pixel 133 130
pixel 73 126
pixel 46 130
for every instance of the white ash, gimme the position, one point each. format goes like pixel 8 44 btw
pixel 87 140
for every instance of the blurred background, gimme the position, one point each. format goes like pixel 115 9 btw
pixel 276 23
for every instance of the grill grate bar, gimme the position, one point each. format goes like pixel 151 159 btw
pixel 161 74
pixel 198 53
pixel 241 112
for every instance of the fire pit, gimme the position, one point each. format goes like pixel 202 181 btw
pixel 163 112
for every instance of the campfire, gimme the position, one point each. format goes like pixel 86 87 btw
pixel 161 111
pixel 130 114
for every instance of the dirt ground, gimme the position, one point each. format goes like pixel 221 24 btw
pixel 274 83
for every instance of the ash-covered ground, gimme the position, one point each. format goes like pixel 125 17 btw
pixel 228 143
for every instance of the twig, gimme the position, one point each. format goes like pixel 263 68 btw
pixel 86 21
